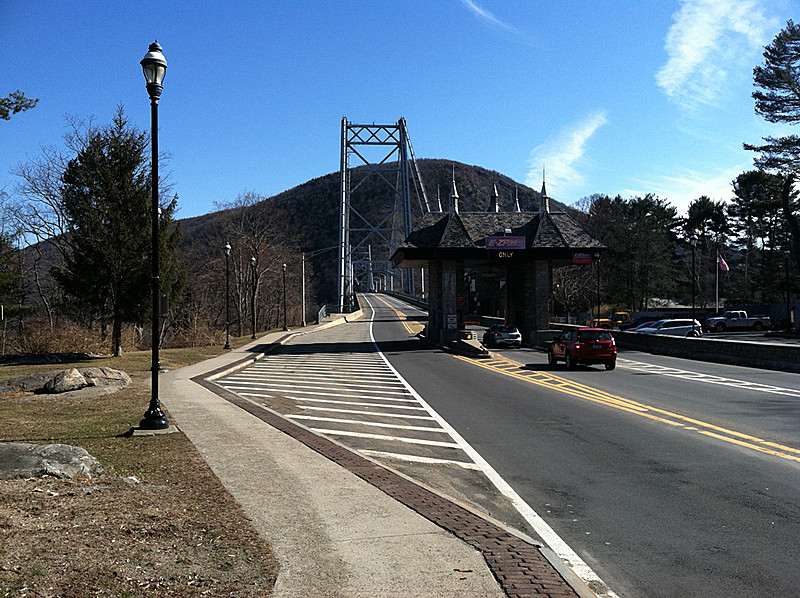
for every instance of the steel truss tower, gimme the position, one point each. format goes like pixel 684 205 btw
pixel 367 242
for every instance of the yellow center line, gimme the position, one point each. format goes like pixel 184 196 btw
pixel 514 369
pixel 581 391
pixel 412 326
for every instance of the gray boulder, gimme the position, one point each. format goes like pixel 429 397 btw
pixel 59 381
pixel 22 460
pixel 104 376
pixel 64 381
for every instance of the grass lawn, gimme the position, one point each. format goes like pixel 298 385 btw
pixel 172 531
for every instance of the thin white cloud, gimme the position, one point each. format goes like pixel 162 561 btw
pixel 706 41
pixel 560 155
pixel 487 17
pixel 685 186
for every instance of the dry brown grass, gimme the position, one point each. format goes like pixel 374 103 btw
pixel 175 532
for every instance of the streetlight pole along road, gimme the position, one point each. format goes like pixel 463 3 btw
pixel 227 297
pixel 154 67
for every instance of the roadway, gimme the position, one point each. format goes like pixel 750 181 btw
pixel 667 477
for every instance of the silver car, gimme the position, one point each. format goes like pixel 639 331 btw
pixel 676 327
pixel 501 334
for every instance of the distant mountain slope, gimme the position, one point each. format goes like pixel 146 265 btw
pixel 313 207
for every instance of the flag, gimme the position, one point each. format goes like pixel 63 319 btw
pixel 722 263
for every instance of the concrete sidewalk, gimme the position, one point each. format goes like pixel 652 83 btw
pixel 341 525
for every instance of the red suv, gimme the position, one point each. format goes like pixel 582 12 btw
pixel 583 345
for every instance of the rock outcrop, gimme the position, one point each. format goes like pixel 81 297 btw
pixel 22 460
pixel 59 381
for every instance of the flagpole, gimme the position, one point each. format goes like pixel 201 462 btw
pixel 717 273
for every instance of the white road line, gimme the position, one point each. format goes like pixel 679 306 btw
pixel 342 368
pixel 708 378
pixel 436 443
pixel 308 392
pixel 545 532
pixel 414 404
pixel 340 374
pixel 382 387
pixel 374 413
pixel 359 404
pixel 416 459
pixel 389 400
pixel 360 422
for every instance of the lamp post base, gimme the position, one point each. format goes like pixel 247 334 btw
pixel 154 419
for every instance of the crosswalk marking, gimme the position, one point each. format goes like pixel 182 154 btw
pixel 354 396
pixel 650 368
pixel 366 423
pixel 355 411
pixel 419 459
pixel 391 438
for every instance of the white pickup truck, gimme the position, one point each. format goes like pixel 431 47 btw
pixel 737 320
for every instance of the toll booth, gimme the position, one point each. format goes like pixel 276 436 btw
pixel 518 250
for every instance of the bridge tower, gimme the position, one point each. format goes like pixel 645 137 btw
pixel 367 238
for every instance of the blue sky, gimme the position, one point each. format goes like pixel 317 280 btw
pixel 619 97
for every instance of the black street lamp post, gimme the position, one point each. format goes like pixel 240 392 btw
pixel 253 296
pixel 693 243
pixel 154 67
pixel 285 327
pixel 227 296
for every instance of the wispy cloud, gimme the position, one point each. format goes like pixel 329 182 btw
pixel 707 39
pixel 560 155
pixel 683 187
pixel 487 17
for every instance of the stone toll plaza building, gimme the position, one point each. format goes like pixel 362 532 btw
pixel 514 252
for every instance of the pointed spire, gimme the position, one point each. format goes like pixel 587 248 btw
pixel 516 201
pixel 438 199
pixel 545 199
pixel 544 189
pixel 454 194
pixel 495 205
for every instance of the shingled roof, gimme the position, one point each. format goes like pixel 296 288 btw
pixel 548 235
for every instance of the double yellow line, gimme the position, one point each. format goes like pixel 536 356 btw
pixel 581 391
pixel 412 326
pixel 587 393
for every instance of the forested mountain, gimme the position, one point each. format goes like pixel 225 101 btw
pixel 309 215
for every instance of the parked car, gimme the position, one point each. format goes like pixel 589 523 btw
pixel 677 327
pixel 502 334
pixel 583 345
pixel 638 321
pixel 620 318
pixel 737 320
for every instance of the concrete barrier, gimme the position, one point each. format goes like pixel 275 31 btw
pixel 764 355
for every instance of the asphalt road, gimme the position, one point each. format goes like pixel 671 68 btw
pixel 668 477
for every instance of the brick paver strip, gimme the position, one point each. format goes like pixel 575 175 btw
pixel 518 566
